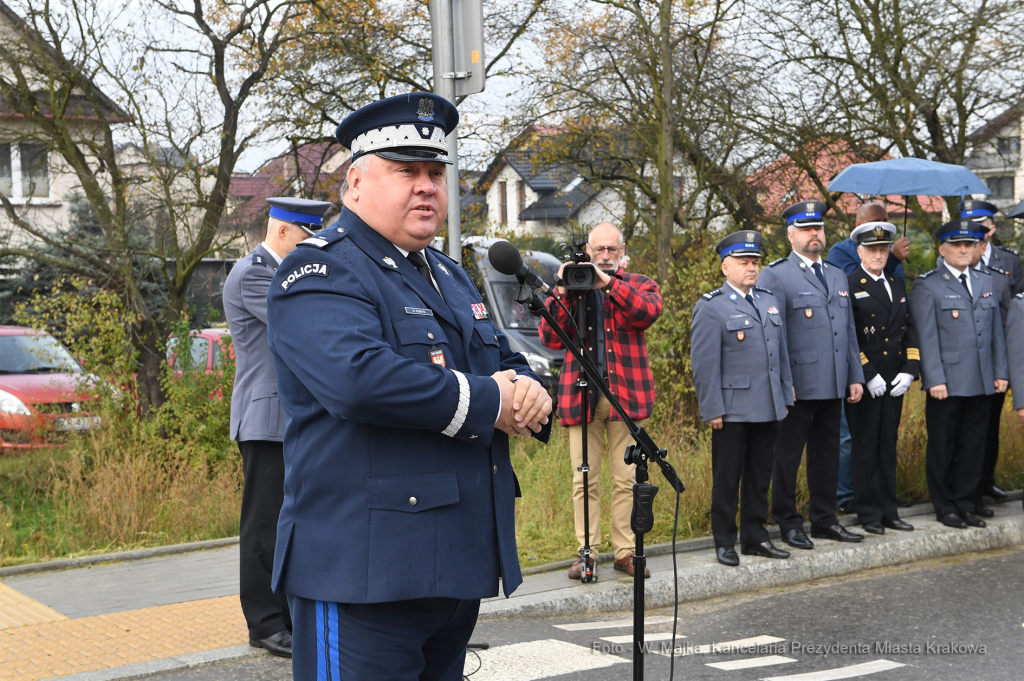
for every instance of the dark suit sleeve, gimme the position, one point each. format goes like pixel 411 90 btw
pixel 255 284
pixel 911 348
pixel 516 362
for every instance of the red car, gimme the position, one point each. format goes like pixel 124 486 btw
pixel 40 390
pixel 207 349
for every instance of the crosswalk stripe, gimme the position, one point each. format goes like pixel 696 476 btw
pixel 628 638
pixel 724 646
pixel 610 624
pixel 537 660
pixel 750 662
pixel 841 672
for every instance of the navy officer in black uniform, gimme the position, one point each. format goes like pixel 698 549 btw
pixel 399 504
pixel 890 358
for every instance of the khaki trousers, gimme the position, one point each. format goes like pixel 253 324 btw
pixel 623 476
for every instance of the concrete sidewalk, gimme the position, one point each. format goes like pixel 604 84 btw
pixel 133 618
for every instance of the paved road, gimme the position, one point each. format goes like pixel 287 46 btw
pixel 954 618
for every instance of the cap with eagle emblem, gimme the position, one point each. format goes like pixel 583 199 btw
pixel 739 244
pixel 871 233
pixel 974 209
pixel 959 230
pixel 806 214
pixel 411 127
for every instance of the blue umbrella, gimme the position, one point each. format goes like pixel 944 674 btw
pixel 908 176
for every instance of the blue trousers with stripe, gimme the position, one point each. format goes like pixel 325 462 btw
pixel 417 640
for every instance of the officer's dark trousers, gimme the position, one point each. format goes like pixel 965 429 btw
pixel 417 640
pixel 266 613
pixel 956 439
pixel 874 427
pixel 741 456
pixel 988 466
pixel 814 423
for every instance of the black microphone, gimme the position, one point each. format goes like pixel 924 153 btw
pixel 507 259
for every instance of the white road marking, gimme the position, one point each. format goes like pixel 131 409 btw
pixel 841 672
pixel 723 647
pixel 628 638
pixel 537 660
pixel 751 662
pixel 610 624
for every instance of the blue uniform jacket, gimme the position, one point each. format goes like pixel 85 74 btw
pixel 397 484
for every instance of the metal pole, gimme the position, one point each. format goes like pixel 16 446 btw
pixel 445 86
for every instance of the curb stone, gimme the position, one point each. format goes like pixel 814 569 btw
pixel 190 660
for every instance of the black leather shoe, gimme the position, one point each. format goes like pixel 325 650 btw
pixel 898 525
pixel 903 503
pixel 984 512
pixel 995 493
pixel 972 520
pixel 836 533
pixel 279 644
pixel 727 556
pixel 951 520
pixel 845 507
pixel 797 539
pixel 874 528
pixel 765 549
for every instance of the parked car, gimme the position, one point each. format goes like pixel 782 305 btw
pixel 207 350
pixel 41 394
pixel 519 325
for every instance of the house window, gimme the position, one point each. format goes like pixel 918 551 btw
pixel 1002 187
pixel 6 178
pixel 521 192
pixel 1008 145
pixel 24 171
pixel 503 202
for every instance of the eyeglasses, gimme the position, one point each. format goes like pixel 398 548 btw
pixel 612 250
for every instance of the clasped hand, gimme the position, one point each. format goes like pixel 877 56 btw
pixel 525 404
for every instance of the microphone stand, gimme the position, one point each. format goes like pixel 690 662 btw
pixel 589 573
pixel 640 454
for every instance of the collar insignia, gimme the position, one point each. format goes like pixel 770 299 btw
pixel 390 263
pixel 444 269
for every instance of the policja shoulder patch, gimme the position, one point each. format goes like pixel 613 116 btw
pixel 314 269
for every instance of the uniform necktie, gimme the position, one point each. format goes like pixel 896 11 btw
pixel 963 280
pixel 821 277
pixel 750 299
pixel 417 259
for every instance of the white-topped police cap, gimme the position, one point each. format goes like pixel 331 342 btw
pixel 739 244
pixel 976 210
pixel 806 214
pixel 306 213
pixel 411 127
pixel 871 233
pixel 959 230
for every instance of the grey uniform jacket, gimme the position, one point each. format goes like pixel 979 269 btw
pixel 1002 285
pixel 962 344
pixel 256 411
pixel 1015 349
pixel 740 363
pixel 1009 261
pixel 821 336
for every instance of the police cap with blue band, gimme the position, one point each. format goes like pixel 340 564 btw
pixel 304 213
pixel 806 214
pixel 958 230
pixel 740 244
pixel 411 127
pixel 976 210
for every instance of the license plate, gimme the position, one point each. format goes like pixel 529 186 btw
pixel 78 423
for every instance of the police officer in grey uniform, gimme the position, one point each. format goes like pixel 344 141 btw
pixel 963 362
pixel 741 372
pixel 1006 259
pixel 826 367
pixel 258 420
pixel 1015 352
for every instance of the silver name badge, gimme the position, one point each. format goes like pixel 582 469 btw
pixel 419 310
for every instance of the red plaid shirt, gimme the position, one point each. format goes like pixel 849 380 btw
pixel 632 303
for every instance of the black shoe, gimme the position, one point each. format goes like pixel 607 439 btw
pixel 972 520
pixel 727 556
pixel 984 511
pixel 765 549
pixel 845 507
pixel 995 493
pixel 951 520
pixel 874 528
pixel 279 644
pixel 836 533
pixel 898 525
pixel 903 503
pixel 797 539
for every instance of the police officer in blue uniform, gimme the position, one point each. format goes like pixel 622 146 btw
pixel 826 368
pixel 963 363
pixel 398 514
pixel 258 419
pixel 741 372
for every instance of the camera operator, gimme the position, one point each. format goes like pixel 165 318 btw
pixel 619 308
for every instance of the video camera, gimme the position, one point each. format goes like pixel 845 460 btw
pixel 577 276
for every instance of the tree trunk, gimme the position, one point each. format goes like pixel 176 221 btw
pixel 666 148
pixel 150 343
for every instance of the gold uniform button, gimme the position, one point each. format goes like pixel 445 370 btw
pixel 884 352
pixel 413 501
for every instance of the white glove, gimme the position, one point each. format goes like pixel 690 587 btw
pixel 876 386
pixel 901 384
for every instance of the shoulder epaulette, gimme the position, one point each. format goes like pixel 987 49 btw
pixel 997 269
pixel 440 252
pixel 257 259
pixel 325 237
pixel 711 294
pixel 1020 295
pixel 1010 250
pixel 926 274
pixel 762 289
pixel 780 260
